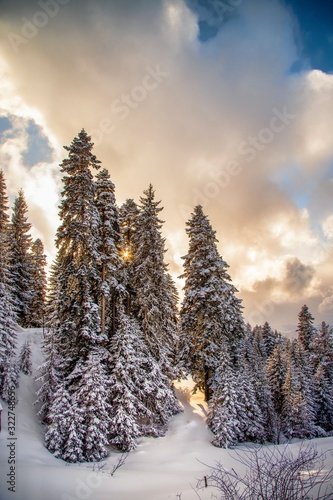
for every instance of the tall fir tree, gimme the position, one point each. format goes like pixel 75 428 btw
pixel 64 436
pixel 253 366
pixel 38 286
pixel 269 338
pixel 76 286
pixel 25 364
pixel 141 397
pixel 276 371
pixel 128 216
pixel 77 240
pixel 298 410
pixel 324 398
pixel 110 262
pixel 155 295
pixel 8 318
pixel 49 375
pixel 210 311
pixel 322 350
pixel 20 259
pixel 90 392
pixel 305 329
pixel 223 415
pixel 61 416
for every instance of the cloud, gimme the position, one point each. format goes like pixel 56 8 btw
pixel 326 305
pixel 221 123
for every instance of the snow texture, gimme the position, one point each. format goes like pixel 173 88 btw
pixel 159 468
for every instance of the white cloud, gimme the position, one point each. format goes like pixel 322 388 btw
pixel 185 135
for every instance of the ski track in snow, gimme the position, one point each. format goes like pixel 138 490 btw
pixel 158 469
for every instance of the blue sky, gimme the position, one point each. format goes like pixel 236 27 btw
pixel 313 28
pixel 315 32
pixel 224 103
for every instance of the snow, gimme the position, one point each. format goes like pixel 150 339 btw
pixel 159 468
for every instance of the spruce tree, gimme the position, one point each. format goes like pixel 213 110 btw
pixel 128 215
pixel 155 296
pixel 276 370
pixel 63 437
pixel 4 217
pixel 75 318
pixel 77 240
pixel 38 285
pixel 322 350
pixel 305 329
pixel 299 407
pixel 210 311
pixel 50 376
pixel 141 397
pixel 269 338
pixel 20 259
pixel 298 415
pixel 250 415
pixel 56 434
pixel 110 240
pixel 25 364
pixel 90 392
pixel 223 415
pixel 324 399
pixel 8 336
pixel 253 366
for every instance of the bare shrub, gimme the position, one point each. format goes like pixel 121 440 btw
pixel 273 473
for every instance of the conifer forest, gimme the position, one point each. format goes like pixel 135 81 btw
pixel 117 337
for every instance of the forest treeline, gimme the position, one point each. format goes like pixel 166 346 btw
pixel 115 339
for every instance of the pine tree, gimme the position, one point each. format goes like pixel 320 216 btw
pixel 128 216
pixel 322 350
pixel 109 247
pixel 60 419
pixel 77 240
pixel 20 259
pixel 8 337
pixel 25 364
pixel 299 405
pixel 210 311
pixel 50 376
pixel 90 396
pixel 269 338
pixel 141 398
pixel 155 300
pixel 73 446
pixel 75 319
pixel 305 328
pixel 223 415
pixel 38 286
pixel 4 217
pixel 298 418
pixel 253 366
pixel 250 415
pixel 64 436
pixel 276 370
pixel 324 398
pixel 9 380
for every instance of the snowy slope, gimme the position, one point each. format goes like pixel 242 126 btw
pixel 158 469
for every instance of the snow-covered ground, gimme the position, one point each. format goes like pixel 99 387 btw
pixel 163 468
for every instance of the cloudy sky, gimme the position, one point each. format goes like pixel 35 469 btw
pixel 226 103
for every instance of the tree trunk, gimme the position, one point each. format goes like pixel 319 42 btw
pixel 103 301
pixel 208 391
